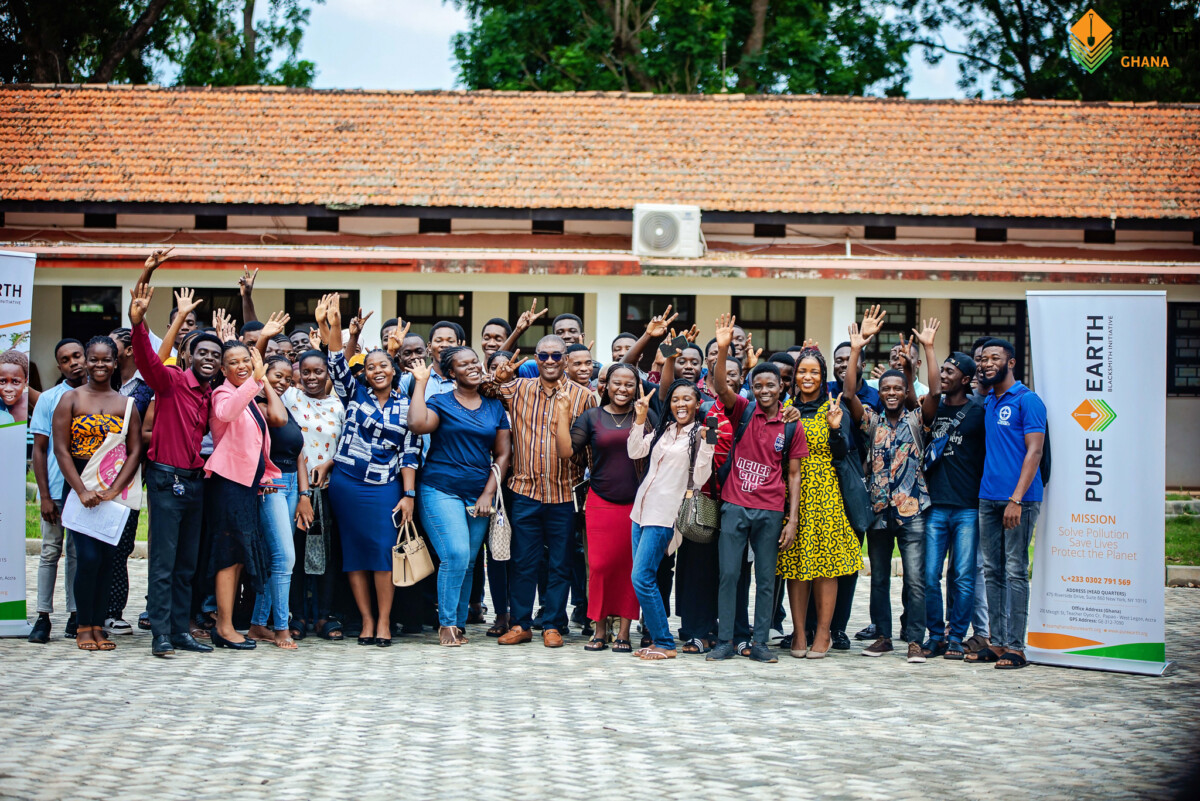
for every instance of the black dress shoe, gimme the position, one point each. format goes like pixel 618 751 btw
pixel 382 643
pixel 162 646
pixel 71 631
pixel 220 642
pixel 866 634
pixel 366 640
pixel 41 630
pixel 186 642
pixel 840 641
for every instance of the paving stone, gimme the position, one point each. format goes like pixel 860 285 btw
pixel 335 720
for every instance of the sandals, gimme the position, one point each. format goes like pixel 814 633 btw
pixel 975 643
pixel 985 654
pixel 501 626
pixel 743 648
pixel 287 645
pixel 1013 660
pixel 595 644
pixel 622 647
pixel 954 650
pixel 298 629
pixel 448 636
pixel 655 654
pixel 696 646
pixel 331 630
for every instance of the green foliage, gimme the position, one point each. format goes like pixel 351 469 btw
pixel 208 43
pixel 682 46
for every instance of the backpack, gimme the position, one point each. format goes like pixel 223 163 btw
pixel 1045 464
pixel 789 431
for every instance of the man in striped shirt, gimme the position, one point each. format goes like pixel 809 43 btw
pixel 542 513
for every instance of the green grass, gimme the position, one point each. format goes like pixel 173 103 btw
pixel 1183 540
pixel 1179 496
pixel 33 522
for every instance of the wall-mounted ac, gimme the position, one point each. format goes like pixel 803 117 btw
pixel 668 231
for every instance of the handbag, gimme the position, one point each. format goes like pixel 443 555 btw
pixel 499 527
pixel 317 536
pixel 106 463
pixel 856 499
pixel 411 560
pixel 699 516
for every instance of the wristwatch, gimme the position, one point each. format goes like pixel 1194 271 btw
pixel 305 493
pixel 410 493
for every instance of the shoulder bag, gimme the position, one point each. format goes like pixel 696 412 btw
pixel 499 527
pixel 852 482
pixel 699 515
pixel 411 561
pixel 106 463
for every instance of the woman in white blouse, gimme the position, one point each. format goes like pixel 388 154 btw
pixel 669 446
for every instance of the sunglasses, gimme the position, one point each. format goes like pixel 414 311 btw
pixel 549 357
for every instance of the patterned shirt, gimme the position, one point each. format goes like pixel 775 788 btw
pixel 897 482
pixel 137 388
pixel 538 473
pixel 376 442
pixel 321 421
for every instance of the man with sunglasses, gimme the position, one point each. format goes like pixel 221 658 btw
pixel 543 514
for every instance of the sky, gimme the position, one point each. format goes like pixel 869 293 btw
pixel 405 44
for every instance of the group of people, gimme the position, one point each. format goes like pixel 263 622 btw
pixel 280 465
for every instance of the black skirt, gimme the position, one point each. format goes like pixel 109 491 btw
pixel 233 525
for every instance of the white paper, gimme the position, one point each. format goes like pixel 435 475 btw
pixel 104 522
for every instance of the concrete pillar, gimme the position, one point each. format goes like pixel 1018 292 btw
pixel 485 306
pixel 939 308
pixel 370 298
pixel 602 318
pixel 843 314
pixel 818 322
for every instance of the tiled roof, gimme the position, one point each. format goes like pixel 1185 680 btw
pixel 600 151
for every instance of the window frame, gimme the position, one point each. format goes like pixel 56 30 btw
pixel 748 324
pixel 518 302
pixel 1174 360
pixel 876 352
pixel 422 323
pixel 233 307
pixel 94 327
pixel 1017 334
pixel 348 305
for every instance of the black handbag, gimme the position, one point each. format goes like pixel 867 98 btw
pixel 856 498
pixel 699 516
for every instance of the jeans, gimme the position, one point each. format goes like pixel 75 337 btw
pixel 276 518
pixel 53 539
pixel 175 524
pixel 457 537
pixel 1006 570
pixel 761 529
pixel 955 530
pixel 541 528
pixel 649 547
pixel 979 612
pixel 911 538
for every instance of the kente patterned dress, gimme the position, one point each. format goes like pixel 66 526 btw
pixel 825 545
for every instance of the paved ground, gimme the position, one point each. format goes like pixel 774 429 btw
pixel 418 721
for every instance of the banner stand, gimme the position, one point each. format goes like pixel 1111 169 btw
pixel 1097 593
pixel 16 311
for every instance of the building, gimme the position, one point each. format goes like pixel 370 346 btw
pixel 470 204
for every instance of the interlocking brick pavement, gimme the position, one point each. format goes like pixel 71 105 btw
pixel 416 721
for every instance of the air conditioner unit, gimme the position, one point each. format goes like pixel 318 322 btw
pixel 668 231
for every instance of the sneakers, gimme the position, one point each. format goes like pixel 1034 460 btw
pixel 866 634
pixel 116 625
pixel 759 652
pixel 722 651
pixel 880 647
pixel 915 654
pixel 41 630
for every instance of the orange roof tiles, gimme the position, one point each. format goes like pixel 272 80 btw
pixel 600 151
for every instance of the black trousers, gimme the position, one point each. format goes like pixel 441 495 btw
pixel 175 526
pixel 696 590
pixel 119 594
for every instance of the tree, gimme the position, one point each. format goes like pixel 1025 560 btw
pixel 1019 48
pixel 213 42
pixel 682 46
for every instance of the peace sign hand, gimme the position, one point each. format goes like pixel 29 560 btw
pixel 155 259
pixel 246 282
pixel 658 325
pixel 641 407
pixel 833 414
pixel 528 318
pixel 506 371
pixel 562 400
pixel 358 321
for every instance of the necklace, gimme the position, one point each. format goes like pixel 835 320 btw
pixel 622 421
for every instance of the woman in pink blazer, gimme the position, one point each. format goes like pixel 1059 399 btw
pixel 238 470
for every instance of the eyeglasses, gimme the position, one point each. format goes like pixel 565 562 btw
pixel 549 357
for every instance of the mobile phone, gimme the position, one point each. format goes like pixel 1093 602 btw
pixel 679 343
pixel 668 349
pixel 397 518
pixel 710 431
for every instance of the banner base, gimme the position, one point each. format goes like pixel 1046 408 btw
pixel 14 628
pixel 1055 659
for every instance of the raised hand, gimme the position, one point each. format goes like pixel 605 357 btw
pixel 185 301
pixel 752 355
pixel 246 282
pixel 873 321
pixel 530 317
pixel 811 343
pixel 878 370
pixel 692 333
pixel 155 259
pixel 857 339
pixel 562 400
pixel 905 349
pixel 833 413
pixel 724 333
pixel 659 324
pixel 224 325
pixel 928 331
pixel 333 310
pixel 358 321
pixel 322 310
pixel 506 371
pixel 139 302
pixel 420 371
pixel 641 407
pixel 275 324
pixel 314 339
pixel 260 369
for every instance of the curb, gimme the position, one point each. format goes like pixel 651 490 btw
pixel 33 547
pixel 1183 575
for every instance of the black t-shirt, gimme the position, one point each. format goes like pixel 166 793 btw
pixel 614 475
pixel 954 479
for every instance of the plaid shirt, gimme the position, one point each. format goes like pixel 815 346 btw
pixel 375 442
pixel 538 473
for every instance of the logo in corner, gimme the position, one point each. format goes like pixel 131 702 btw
pixel 1094 415
pixel 1090 41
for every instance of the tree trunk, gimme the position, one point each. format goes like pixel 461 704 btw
pixel 248 33
pixel 127 41
pixel 754 44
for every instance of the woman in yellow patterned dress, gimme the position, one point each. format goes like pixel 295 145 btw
pixel 825 545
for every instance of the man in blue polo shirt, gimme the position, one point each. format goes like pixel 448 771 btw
pixel 1010 498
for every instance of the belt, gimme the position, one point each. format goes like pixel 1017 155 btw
pixel 182 472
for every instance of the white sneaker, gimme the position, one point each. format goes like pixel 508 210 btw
pixel 113 626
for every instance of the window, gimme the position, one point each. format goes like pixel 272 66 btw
pixel 770 230
pixel 879 232
pixel 423 309
pixel 900 319
pixel 991 234
pixel 100 221
pixel 557 304
pixel 547 226
pixel 1183 349
pixel 301 304
pixel 211 222
pixel 228 299
pixel 1005 319
pixel 1103 236
pixel 90 311
pixel 636 311
pixel 433 225
pixel 329 224
pixel 774 324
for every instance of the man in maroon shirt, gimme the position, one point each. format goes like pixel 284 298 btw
pixel 766 453
pixel 174 476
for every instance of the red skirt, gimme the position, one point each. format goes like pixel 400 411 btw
pixel 610 559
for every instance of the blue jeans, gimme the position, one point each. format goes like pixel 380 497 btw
pixel 955 530
pixel 276 519
pixel 456 536
pixel 540 529
pixel 649 547
pixel 910 538
pixel 1006 570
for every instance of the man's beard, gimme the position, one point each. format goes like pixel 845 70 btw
pixel 1001 374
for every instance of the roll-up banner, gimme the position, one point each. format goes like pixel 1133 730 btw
pixel 1097 592
pixel 16 307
